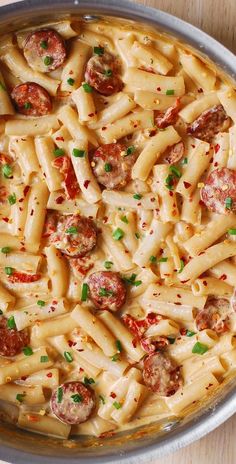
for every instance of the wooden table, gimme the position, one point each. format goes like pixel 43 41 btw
pixel 217 18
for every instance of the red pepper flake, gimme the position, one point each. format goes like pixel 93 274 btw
pixel 139 204
pixel 216 164
pixel 49 375
pixel 183 331
pixel 86 183
pixel 151 232
pixel 158 89
pixel 178 295
pixel 91 115
pixel 32 418
pixel 187 185
pixel 211 160
pixel 105 219
pixel 152 200
pixel 184 281
pixel 201 203
pixel 193 146
pixel 113 395
pixel 200 90
pixel 60 139
pixel 134 343
pixel 223 277
pixel 171 193
pixel 70 343
pixel 204 283
pixel 59 200
pixel 104 128
pixel 216 148
pixel 31 212
pixel 81 369
pixel 26 189
pixel 5 219
pixel 24 377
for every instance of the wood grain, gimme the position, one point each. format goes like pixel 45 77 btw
pixel 217 18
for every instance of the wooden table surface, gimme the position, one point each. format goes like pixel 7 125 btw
pixel 217 18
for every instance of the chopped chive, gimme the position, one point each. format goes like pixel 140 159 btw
pixel 118 346
pixel 78 153
pixel 68 357
pixel 98 51
pixel 8 270
pixel 169 184
pixel 5 250
pixel 41 303
pixel 12 199
pixel 171 340
pixel 184 161
pixel 27 350
pixel 108 167
pixel 84 293
pixel 108 72
pixel 7 170
pixel 88 380
pixel 59 152
pixel 104 292
pixel 72 230
pixel 117 405
pixel 181 266
pixel 170 92
pixel 118 234
pixel 48 60
pixel 20 397
pixel 124 219
pixel 174 170
pixel 108 264
pixel 131 279
pixel 228 203
pixel 162 260
pixel 199 348
pixel 130 150
pixel 232 231
pixel 70 81
pixel 153 259
pixel 2 86
pixel 102 399
pixel 44 44
pixel 11 323
pixel 189 333
pixel 59 394
pixel 44 359
pixel 137 235
pixel 115 357
pixel 87 88
pixel 137 196
pixel 27 105
pixel 77 398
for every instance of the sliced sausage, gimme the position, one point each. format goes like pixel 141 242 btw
pixel 107 290
pixel 209 123
pixel 175 153
pixel 163 120
pixel 44 50
pixel 64 164
pixel 75 235
pixel 214 316
pixel 112 166
pixel 102 73
pixel 11 340
pixel 219 191
pixel 31 99
pixel 161 374
pixel 73 402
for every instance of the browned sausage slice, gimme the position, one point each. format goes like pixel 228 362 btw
pixel 175 153
pixel 75 235
pixel 112 165
pixel 107 290
pixel 31 99
pixel 161 374
pixel 214 316
pixel 44 50
pixel 11 340
pixel 73 402
pixel 209 123
pixel 163 120
pixel 102 73
pixel 219 191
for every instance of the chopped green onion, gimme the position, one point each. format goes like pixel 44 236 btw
pixel 11 323
pixel 124 219
pixel 5 250
pixel 2 86
pixel 131 279
pixel 59 394
pixel 41 303
pixel 153 259
pixel 117 405
pixel 228 203
pixel 72 230
pixel 119 346
pixel 44 44
pixel 199 348
pixel 181 266
pixel 137 235
pixel 102 399
pixel 162 260
pixel 137 283
pixel 184 161
pixel 59 152
pixel 189 333
pixel 88 381
pixel 170 92
pixel 108 264
pixel 232 231
pixel 136 196
pixel 77 398
pixel 27 350
pixel 98 51
pixel 44 359
pixel 7 171
pixel 68 357
pixel 87 88
pixel 115 357
pixel 84 293
pixel 171 340
pixel 27 105
pixel 12 199
pixel 169 182
pixel 108 72
pixel 104 292
pixel 108 167
pixel 8 270
pixel 130 150
pixel 78 153
pixel 174 170
pixel 118 234
pixel 70 81
pixel 48 60
pixel 20 397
